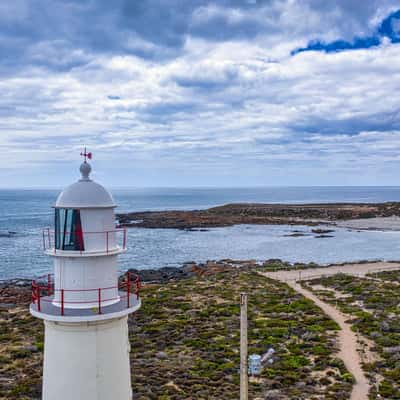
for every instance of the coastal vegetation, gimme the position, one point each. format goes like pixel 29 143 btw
pixel 372 304
pixel 185 341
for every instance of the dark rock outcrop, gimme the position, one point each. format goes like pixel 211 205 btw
pixel 234 214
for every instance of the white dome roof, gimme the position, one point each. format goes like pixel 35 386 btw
pixel 85 193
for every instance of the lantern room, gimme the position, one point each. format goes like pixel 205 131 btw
pixel 85 243
pixel 84 217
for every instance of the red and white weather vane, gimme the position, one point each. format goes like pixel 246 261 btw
pixel 86 155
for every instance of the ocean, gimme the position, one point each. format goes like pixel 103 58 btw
pixel 26 212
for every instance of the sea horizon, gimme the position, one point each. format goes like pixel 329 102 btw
pixel 111 187
pixel 27 212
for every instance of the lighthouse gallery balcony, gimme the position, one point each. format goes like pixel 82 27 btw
pixel 80 243
pixel 52 304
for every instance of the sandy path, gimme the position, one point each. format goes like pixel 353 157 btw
pixel 347 343
pixel 347 339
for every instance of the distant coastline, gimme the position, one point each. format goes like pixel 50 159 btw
pixel 381 215
pixel 27 212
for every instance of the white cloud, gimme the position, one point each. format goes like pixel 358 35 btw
pixel 227 103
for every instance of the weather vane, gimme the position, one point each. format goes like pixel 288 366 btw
pixel 86 155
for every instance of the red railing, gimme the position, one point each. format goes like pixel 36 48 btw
pixel 43 288
pixel 118 236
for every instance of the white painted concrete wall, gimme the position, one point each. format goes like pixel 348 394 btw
pixel 95 224
pixel 87 361
pixel 77 273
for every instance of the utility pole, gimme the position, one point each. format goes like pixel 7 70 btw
pixel 244 384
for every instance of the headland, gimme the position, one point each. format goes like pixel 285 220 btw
pixel 267 214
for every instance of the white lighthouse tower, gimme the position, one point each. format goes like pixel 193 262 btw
pixel 85 307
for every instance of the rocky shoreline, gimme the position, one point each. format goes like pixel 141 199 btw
pixel 265 214
pixel 193 269
pixel 212 267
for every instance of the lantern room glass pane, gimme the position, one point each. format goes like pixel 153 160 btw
pixel 68 229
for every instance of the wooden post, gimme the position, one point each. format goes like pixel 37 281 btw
pixel 244 390
pixel 62 301
pixel 99 296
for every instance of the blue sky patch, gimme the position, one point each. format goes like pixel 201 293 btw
pixel 389 28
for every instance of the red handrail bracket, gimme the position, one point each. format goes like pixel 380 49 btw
pixel 49 284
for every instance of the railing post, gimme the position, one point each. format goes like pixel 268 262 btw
pixel 99 300
pixel 33 294
pixel 128 288
pixel 44 240
pixel 124 240
pixel 107 241
pixel 38 297
pixel 62 301
pixel 79 235
pixel 48 284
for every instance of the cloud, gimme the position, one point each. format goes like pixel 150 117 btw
pixel 61 34
pixel 211 88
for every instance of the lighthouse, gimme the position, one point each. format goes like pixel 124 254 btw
pixel 85 304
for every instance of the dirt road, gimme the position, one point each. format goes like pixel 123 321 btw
pixel 347 339
pixel 351 269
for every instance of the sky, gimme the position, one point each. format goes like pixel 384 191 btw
pixel 200 93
